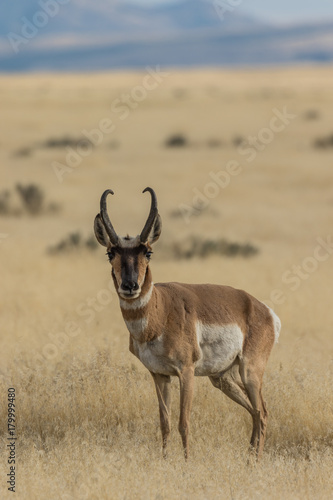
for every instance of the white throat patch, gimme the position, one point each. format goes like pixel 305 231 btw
pixel 137 327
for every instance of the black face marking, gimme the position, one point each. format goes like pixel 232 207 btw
pixel 129 271
pixel 130 264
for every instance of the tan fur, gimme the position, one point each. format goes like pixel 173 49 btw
pixel 172 312
pixel 164 336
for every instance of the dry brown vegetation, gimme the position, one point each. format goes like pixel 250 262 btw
pixel 26 199
pixel 87 415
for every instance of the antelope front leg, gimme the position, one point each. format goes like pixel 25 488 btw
pixel 162 386
pixel 186 379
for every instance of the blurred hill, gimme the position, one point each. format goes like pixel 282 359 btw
pixel 81 35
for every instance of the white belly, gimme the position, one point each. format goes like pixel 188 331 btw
pixel 219 346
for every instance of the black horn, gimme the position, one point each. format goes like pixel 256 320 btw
pixel 105 218
pixel 151 217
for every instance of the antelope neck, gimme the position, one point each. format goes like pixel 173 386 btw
pixel 135 312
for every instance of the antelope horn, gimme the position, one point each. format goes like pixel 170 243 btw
pixel 105 218
pixel 151 217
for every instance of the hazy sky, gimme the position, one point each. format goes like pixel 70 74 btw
pixel 276 10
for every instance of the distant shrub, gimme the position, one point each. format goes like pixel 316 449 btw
pixel 23 152
pixel 91 243
pixel 30 200
pixel 181 141
pixel 311 114
pixel 237 140
pixel 176 141
pixel 5 208
pixel 65 141
pixel 56 142
pixel 197 247
pixel 324 142
pixel 178 213
pixel 73 242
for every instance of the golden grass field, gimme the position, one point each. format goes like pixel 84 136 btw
pixel 87 414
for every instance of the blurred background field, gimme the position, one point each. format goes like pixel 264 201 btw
pixel 87 414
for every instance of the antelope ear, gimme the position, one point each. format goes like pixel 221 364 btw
pixel 156 230
pixel 100 233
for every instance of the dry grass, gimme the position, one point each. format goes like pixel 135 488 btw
pixel 87 415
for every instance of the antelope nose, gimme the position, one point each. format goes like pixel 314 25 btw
pixel 130 285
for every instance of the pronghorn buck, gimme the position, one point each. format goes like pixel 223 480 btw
pixel 187 330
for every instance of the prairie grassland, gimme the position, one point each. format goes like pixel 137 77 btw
pixel 87 414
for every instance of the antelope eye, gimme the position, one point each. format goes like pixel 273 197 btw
pixel 111 254
pixel 148 255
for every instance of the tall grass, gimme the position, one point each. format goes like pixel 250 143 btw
pixel 87 415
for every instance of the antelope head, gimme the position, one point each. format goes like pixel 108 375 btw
pixel 129 256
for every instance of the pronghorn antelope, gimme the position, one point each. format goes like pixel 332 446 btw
pixel 187 330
